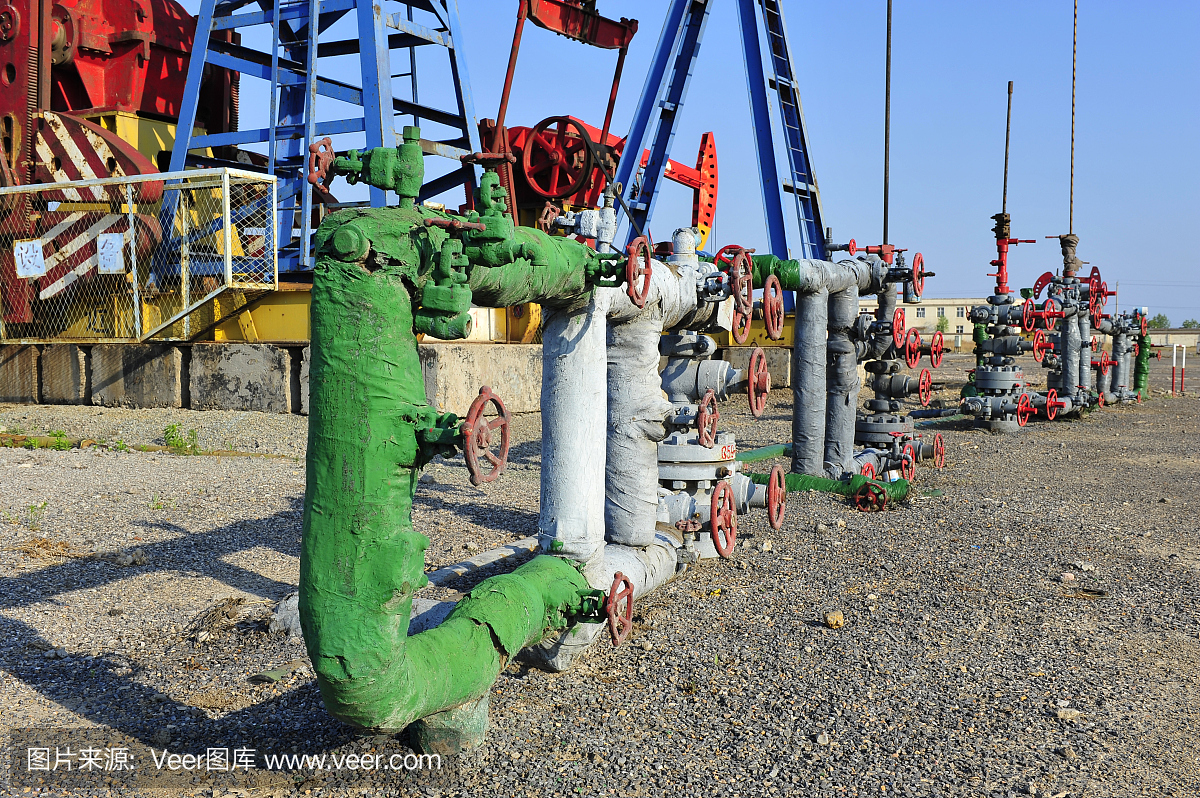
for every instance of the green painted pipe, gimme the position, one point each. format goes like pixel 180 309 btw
pixel 764 453
pixel 370 431
pixel 1141 368
pixel 896 491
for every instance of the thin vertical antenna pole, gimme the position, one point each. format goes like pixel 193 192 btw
pixel 1007 133
pixel 887 121
pixel 1074 51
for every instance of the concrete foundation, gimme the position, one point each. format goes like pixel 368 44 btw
pixel 254 377
pixel 137 375
pixel 454 372
pixel 19 374
pixel 65 379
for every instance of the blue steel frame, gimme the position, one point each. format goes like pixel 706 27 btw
pixel 770 84
pixel 296 81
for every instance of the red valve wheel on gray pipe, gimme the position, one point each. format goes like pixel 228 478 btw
pixel 1053 404
pixel 912 347
pixel 776 497
pixel 1025 409
pixel 937 348
pixel 620 621
pixel 918 276
pixel 772 305
pixel 908 467
pixel 706 419
pixel 723 519
pixel 638 268
pixel 758 382
pixel 477 437
pixel 939 451
pixel 898 328
pixel 925 387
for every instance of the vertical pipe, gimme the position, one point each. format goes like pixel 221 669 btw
pixel 887 121
pixel 1074 49
pixel 808 383
pixel 1069 340
pixel 842 385
pixel 574 424
pixel 133 263
pixel 1007 132
pixel 1085 350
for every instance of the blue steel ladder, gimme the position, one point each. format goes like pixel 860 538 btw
pixel 297 68
pixel 771 84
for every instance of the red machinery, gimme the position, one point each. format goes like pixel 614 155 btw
pixel 69 68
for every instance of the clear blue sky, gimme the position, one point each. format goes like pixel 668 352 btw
pixel 1137 190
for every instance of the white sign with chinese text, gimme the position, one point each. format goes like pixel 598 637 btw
pixel 30 260
pixel 110 253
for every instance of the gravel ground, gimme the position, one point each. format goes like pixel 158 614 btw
pixel 967 665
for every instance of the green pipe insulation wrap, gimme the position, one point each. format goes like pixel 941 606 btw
pixel 369 432
pixel 896 491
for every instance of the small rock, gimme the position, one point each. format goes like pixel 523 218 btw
pixel 820 528
pixel 1062 702
pixel 426 478
pixel 641 670
pixel 471 545
pixel 1146 534
pixel 647 645
pixel 124 559
pixel 115 611
pixel 822 739
pixel 1069 714
pixel 872 596
pixel 744 565
pixel 287 616
pixel 834 619
pixel 139 557
pixel 1066 752
pixel 1007 539
pixel 841 524
pixel 766 545
pixel 162 737
pixel 1067 577
pixel 1164 500
pixel 1083 565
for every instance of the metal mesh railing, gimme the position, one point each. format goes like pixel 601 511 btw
pixel 163 256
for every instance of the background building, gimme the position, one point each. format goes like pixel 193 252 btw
pixel 924 317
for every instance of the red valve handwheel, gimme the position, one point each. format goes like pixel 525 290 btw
pixel 706 419
pixel 937 348
pixel 867 471
pixel 1040 345
pixel 925 387
pixel 1050 310
pixel 637 267
pixel 723 521
pixel 758 382
pixel 557 162
pixel 918 275
pixel 1053 405
pixel 1024 410
pixel 772 305
pixel 1028 317
pixel 477 437
pixel 912 347
pixel 851 247
pixel 870 496
pixel 320 157
pixel 1104 295
pixel 742 276
pixel 908 467
pixel 776 497
pixel 1137 349
pixel 1100 399
pixel 898 328
pixel 939 451
pixel 1145 325
pixel 620 621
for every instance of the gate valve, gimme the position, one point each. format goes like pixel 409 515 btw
pixel 939 451
pixel 758 382
pixel 1104 363
pixel 935 349
pixel 707 418
pixel 867 471
pixel 1025 409
pixel 737 263
pixel 925 387
pixel 912 347
pixel 886 253
pixel 477 437
pixel 1030 315
pixel 620 621
pixel 1041 345
pixel 320 158
pixel 1053 404
pixel 776 497
pixel 908 465
pixel 850 247
pixel 772 307
pixel 723 519
pixel 638 270
pixel 1137 349
pixel 918 276
pixel 898 328
pixel 1145 324
pixel 870 496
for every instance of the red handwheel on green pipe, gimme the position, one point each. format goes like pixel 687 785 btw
pixel 477 437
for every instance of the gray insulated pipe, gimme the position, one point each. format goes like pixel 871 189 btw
pixel 1069 332
pixel 1085 351
pixel 637 407
pixel 1116 378
pixel 842 385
